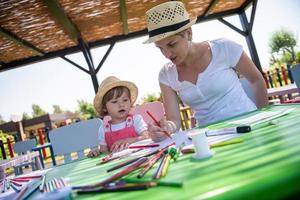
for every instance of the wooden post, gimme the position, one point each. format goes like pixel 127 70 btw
pixel 10 148
pixel 42 141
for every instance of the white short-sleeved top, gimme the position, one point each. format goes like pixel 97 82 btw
pixel 138 123
pixel 218 93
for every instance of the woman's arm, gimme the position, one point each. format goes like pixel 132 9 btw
pixel 172 122
pixel 171 105
pixel 248 69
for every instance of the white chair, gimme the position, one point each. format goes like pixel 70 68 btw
pixel 21 148
pixel 295 70
pixel 75 137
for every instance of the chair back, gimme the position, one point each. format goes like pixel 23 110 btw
pixel 247 88
pixel 22 147
pixel 295 70
pixel 75 137
pixel 156 109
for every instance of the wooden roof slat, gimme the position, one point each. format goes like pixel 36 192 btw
pixel 63 19
pixel 20 41
pixel 211 6
pixel 31 21
pixel 124 16
pixel 54 27
pixel 10 50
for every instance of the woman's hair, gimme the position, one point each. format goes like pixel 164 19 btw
pixel 114 93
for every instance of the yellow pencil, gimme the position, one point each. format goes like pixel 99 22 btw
pixel 166 165
pixel 227 142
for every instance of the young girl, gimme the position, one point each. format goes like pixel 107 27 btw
pixel 115 99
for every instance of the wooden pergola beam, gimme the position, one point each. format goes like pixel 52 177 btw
pixel 61 17
pixel 19 41
pixel 124 17
pixel 211 6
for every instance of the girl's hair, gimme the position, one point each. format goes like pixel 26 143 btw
pixel 115 92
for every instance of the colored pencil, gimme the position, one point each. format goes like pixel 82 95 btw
pixel 227 142
pixel 122 164
pixel 20 180
pixel 158 182
pixel 15 183
pixel 166 165
pixel 28 177
pixel 21 193
pixel 134 166
pixel 158 171
pixel 42 185
pixel 117 188
pixel 14 188
pixel 33 188
pixel 135 159
pixel 143 146
pixel 157 123
pixel 150 164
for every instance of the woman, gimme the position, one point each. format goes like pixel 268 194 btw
pixel 203 74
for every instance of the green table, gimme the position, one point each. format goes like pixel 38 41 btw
pixel 265 166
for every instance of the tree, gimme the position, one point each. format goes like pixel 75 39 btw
pixel 56 109
pixel 285 42
pixel 37 111
pixel 2 121
pixel 150 98
pixel 86 109
pixel 25 116
pixel 298 57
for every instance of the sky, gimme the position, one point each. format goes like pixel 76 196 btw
pixel 56 82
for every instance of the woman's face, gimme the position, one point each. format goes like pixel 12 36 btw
pixel 119 107
pixel 175 48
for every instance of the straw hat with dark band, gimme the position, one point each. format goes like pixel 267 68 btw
pixel 167 19
pixel 108 84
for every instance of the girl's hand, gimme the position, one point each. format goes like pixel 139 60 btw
pixel 94 153
pixel 122 144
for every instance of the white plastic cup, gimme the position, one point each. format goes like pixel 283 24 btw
pixel 200 143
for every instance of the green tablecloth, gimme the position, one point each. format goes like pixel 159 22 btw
pixel 265 166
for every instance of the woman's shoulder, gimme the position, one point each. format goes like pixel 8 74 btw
pixel 168 68
pixel 221 41
pixel 224 44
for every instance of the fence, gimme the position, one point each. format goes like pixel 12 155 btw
pixel 6 147
pixel 278 77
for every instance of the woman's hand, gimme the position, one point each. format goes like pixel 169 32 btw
pixel 156 133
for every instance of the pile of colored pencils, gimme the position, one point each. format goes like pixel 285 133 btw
pixel 144 164
pixel 16 183
pixel 53 185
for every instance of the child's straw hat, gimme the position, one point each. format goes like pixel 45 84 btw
pixel 167 19
pixel 108 84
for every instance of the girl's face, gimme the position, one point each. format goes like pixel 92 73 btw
pixel 176 47
pixel 118 107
